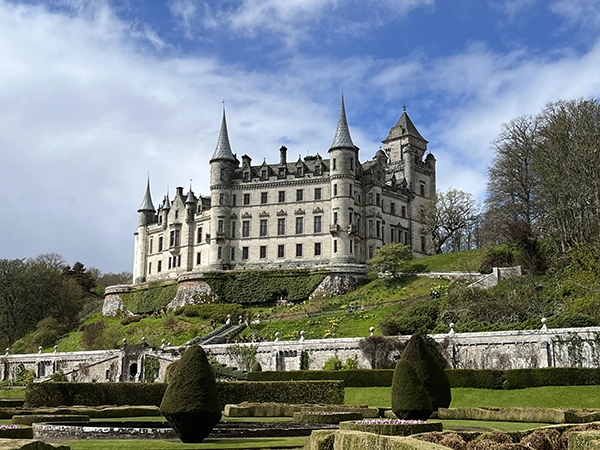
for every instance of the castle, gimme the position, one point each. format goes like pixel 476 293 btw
pixel 315 211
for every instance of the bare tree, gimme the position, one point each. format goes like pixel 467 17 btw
pixel 450 218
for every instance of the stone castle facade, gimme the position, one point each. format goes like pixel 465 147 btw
pixel 312 212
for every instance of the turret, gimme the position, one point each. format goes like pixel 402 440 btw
pixel 166 208
pixel 146 216
pixel 342 165
pixel 222 166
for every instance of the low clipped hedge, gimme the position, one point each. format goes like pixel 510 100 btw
pixel 97 394
pixel 30 419
pixel 330 417
pixel 22 432
pixel 476 378
pixel 392 428
pixel 551 376
pixel 468 378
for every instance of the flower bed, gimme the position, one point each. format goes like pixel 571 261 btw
pixel 15 432
pixel 325 416
pixel 390 427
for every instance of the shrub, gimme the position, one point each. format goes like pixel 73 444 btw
pixel 130 319
pixel 243 355
pixel 429 371
pixel 351 378
pixel 409 397
pixel 191 403
pixel 304 360
pixel 551 376
pixel 326 416
pixel 333 363
pixel 499 256
pixel 379 350
pixel 157 295
pixel 256 367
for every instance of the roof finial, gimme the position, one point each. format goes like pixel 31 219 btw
pixel 404 107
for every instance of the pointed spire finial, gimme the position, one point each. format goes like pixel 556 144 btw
pixel 404 107
pixel 223 149
pixel 342 133
pixel 147 204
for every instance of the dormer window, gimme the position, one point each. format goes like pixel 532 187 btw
pixel 177 214
pixel 318 170
pixel 246 176
pixel 282 172
pixel 299 171
pixel 263 174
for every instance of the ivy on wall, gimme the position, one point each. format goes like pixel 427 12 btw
pixel 155 297
pixel 264 286
pixel 151 368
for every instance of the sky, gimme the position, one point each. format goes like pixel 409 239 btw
pixel 97 95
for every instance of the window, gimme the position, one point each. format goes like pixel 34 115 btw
pixel 299 225
pixel 299 171
pixel 221 198
pixel 351 193
pixel 378 229
pixel 335 246
pixel 160 243
pixel 350 218
pixel 370 198
pixel 422 188
pixel 246 176
pixel 377 199
pixel 392 208
pixel 263 197
pixel 282 172
pixel 370 234
pixel 299 195
pixel 177 214
pixel 423 243
pixel 245 228
pixel 174 238
pixel 151 244
pixel 159 266
pixel 198 258
pixel 280 251
pixel 232 254
pixel 149 268
pixel 220 226
pixel 281 196
pixel 404 211
pixel 234 200
pixel 370 252
pixel 318 170
pixel 222 176
pixel 244 252
pixel 280 227
pixel 246 199
pixel 263 227
pixel 232 230
pixel 335 218
pixel 317 193
pixel 263 174
pixel 358 224
pixel 351 163
pixel 333 164
pixel 170 262
pixel 351 244
pixel 199 236
pixel 335 190
pixel 317 224
pixel 263 251
pixel 219 252
pixel 317 249
pixel 298 249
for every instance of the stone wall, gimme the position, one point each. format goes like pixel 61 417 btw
pixel 565 347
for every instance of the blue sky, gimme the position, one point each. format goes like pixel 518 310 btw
pixel 96 94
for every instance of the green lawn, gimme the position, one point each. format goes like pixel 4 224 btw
pixel 577 397
pixel 12 392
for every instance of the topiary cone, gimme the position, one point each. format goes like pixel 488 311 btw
pixel 409 397
pixel 191 403
pixel 430 372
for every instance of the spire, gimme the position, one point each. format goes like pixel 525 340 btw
pixel 404 127
pixel 342 134
pixel 191 198
pixel 147 204
pixel 223 150
pixel 166 201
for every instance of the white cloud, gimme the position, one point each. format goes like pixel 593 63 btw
pixel 585 12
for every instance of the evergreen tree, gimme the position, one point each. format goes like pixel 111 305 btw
pixel 409 397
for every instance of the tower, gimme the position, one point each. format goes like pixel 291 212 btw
pixel 146 217
pixel 222 167
pixel 343 165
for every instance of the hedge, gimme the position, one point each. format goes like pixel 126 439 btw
pixel 473 378
pixel 96 394
pixel 551 376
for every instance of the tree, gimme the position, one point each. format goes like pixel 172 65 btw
pixel 389 259
pixel 410 400
pixel 450 218
pixel 512 211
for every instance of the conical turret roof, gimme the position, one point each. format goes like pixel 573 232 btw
pixel 147 204
pixel 404 127
pixel 342 133
pixel 223 150
pixel 166 202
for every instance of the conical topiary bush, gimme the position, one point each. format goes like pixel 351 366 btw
pixel 409 397
pixel 191 403
pixel 430 372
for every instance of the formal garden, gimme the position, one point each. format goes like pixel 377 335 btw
pixel 416 405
